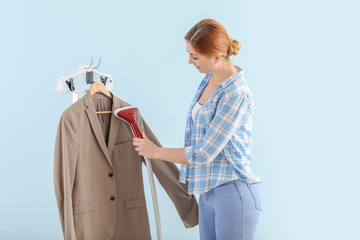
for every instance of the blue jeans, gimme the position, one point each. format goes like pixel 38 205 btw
pixel 230 211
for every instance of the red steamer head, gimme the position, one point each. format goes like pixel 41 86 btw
pixel 129 115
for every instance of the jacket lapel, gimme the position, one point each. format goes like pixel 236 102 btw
pixel 95 125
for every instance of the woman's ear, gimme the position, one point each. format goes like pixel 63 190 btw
pixel 218 58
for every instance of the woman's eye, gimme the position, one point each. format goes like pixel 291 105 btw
pixel 194 58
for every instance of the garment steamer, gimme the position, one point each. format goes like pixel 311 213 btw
pixel 129 114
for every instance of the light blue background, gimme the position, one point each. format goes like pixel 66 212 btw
pixel 300 58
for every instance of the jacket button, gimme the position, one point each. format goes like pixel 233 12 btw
pixel 111 175
pixel 112 198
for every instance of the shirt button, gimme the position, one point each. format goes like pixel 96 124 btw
pixel 112 198
pixel 192 167
pixel 193 139
pixel 111 175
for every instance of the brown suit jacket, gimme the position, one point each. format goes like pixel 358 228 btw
pixel 98 175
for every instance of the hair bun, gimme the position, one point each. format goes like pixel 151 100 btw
pixel 234 47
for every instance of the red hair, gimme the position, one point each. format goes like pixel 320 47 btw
pixel 208 37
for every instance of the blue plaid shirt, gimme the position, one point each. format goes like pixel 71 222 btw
pixel 218 141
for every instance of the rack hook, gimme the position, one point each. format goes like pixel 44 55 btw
pixel 90 63
pixel 98 64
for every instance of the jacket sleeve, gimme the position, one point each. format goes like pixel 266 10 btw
pixel 65 157
pixel 168 175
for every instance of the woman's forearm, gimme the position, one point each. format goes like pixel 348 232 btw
pixel 175 155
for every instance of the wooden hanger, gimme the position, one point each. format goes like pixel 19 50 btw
pixel 99 87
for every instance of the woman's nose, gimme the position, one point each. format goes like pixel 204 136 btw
pixel 189 61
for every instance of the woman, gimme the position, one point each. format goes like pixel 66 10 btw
pixel 217 154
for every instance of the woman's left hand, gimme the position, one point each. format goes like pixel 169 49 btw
pixel 145 147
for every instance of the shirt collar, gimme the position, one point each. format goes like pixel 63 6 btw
pixel 238 75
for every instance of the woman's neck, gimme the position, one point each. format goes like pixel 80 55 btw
pixel 223 72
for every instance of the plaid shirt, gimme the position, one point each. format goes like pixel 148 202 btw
pixel 218 141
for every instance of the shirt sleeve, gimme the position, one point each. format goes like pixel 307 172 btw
pixel 229 115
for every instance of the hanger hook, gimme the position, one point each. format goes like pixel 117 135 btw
pixel 91 63
pixel 98 64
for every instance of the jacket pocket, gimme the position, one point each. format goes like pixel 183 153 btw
pixel 85 207
pixel 135 203
pixel 120 145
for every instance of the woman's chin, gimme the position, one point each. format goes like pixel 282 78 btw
pixel 200 69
